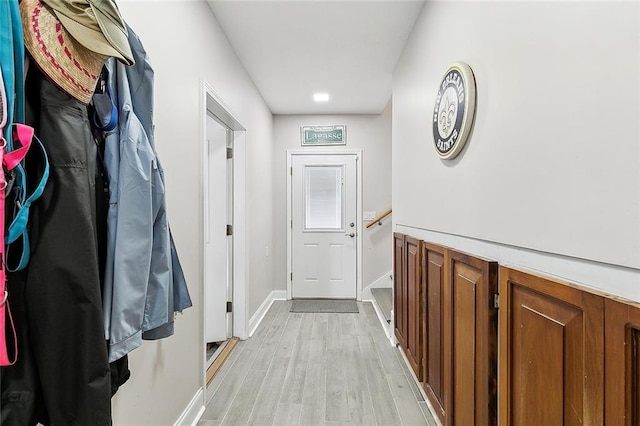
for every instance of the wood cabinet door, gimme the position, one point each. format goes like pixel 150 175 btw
pixel 551 352
pixel 470 336
pixel 399 294
pixel 433 272
pixel 622 363
pixel 413 288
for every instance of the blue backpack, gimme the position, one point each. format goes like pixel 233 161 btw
pixel 12 60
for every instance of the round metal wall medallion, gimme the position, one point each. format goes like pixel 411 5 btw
pixel 454 110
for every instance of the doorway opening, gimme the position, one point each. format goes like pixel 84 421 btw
pixel 218 237
pixel 221 132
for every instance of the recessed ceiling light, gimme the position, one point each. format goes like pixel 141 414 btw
pixel 321 97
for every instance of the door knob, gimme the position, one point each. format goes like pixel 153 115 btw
pixel 350 235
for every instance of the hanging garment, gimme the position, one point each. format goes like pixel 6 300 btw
pixel 144 282
pixel 140 78
pixel 62 375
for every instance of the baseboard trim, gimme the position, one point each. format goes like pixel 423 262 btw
pixel 193 411
pixel 256 319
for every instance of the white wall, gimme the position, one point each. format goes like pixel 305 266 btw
pixel 552 170
pixel 372 134
pixel 186 45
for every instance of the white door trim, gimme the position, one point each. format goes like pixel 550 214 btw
pixel 212 102
pixel 327 151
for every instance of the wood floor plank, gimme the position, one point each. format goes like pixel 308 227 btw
pixel 318 351
pixel 263 328
pixel 269 395
pixel 384 407
pixel 320 330
pixel 227 390
pixel 306 327
pixel 336 390
pixel 291 328
pixel 274 333
pixel 226 367
pixel 320 317
pixel 263 358
pixel 272 340
pixel 268 349
pixel 288 339
pixel 333 338
pixel 209 423
pixel 314 395
pixel 358 395
pixel 431 421
pixel 387 353
pixel 360 322
pixel 287 415
pixel 244 400
pixel 368 349
pixel 403 396
pixel 370 315
pixel 221 359
pixel 347 325
pixel 407 372
pixel 296 373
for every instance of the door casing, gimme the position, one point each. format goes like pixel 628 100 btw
pixel 212 103
pixel 326 151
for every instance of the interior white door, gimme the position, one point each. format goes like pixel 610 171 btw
pixel 324 201
pixel 217 253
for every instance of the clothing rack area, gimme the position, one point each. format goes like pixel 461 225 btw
pixel 89 265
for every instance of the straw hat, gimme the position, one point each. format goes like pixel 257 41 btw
pixel 71 66
pixel 96 24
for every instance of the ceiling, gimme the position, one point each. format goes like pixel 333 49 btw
pixel 292 49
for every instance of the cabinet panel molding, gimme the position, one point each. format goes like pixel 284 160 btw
pixel 434 266
pixel 622 363
pixel 470 334
pixel 551 352
pixel 413 289
pixel 399 294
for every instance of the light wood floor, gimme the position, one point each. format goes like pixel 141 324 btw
pixel 316 369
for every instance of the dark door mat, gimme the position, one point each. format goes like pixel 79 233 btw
pixel 324 306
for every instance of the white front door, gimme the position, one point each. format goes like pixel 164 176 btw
pixel 324 231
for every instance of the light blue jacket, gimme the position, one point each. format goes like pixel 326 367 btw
pixel 144 283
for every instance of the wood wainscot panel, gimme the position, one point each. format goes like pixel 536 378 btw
pixel 470 334
pixel 399 293
pixel 622 363
pixel 434 265
pixel 413 308
pixel 551 352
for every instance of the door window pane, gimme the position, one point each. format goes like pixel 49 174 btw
pixel 323 197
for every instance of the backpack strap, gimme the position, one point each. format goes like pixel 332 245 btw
pixel 5 311
pixel 12 63
pixel 18 227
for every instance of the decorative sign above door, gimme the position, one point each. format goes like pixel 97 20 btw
pixel 323 135
pixel 454 110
